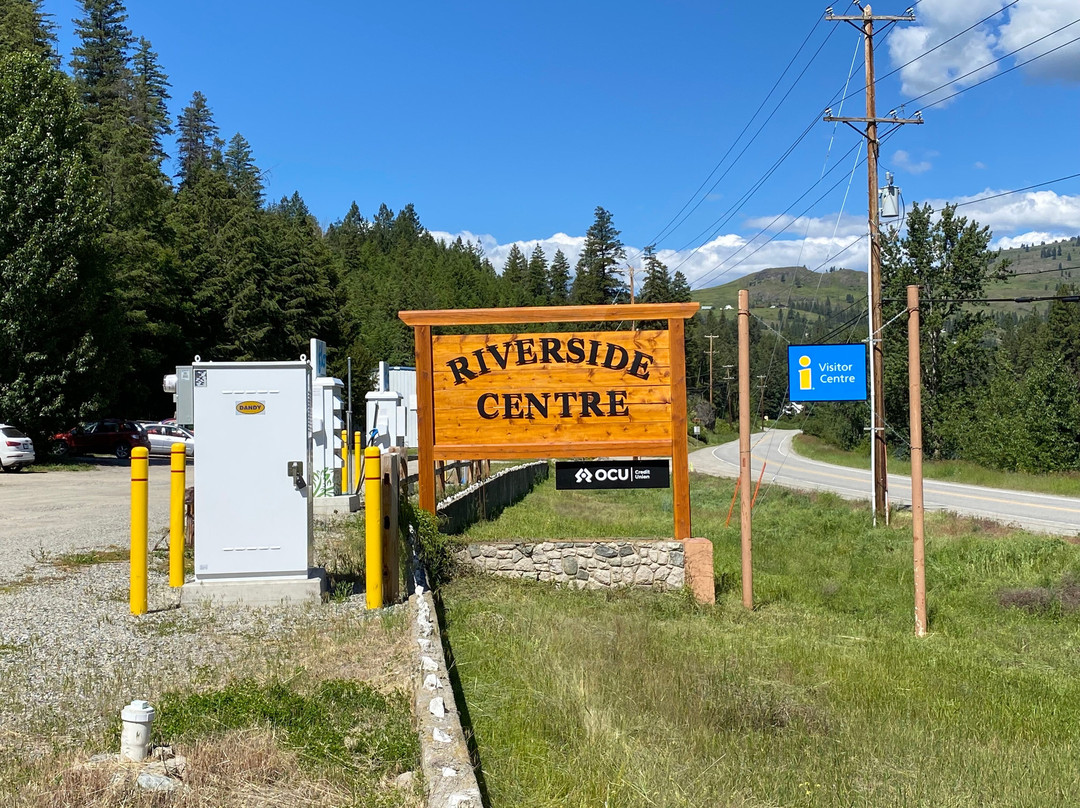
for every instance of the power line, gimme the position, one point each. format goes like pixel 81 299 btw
pixel 664 232
pixel 994 62
pixel 1017 191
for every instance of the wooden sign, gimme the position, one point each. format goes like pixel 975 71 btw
pixel 531 389
pixel 576 394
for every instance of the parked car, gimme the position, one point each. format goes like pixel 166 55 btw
pixel 164 435
pixel 16 450
pixel 114 436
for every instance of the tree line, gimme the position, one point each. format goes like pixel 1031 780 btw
pixel 113 271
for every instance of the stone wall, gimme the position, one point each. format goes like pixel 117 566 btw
pixel 585 564
pixel 488 498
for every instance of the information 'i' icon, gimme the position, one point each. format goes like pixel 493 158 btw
pixel 804 374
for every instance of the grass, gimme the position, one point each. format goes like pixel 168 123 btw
pixel 1066 484
pixel 821 696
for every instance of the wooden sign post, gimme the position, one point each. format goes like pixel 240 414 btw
pixel 553 395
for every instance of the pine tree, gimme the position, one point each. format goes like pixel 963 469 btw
pixel 100 62
pixel 56 314
pixel 597 281
pixel 537 278
pixel 559 280
pixel 25 27
pixel 241 171
pixel 197 134
pixel 151 92
pixel 657 285
pixel 515 278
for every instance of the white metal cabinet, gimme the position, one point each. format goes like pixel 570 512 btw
pixel 252 518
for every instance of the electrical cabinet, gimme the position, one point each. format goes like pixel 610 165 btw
pixel 253 493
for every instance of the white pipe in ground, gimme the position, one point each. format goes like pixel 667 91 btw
pixel 135 736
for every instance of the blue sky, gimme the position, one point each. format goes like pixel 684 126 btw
pixel 510 122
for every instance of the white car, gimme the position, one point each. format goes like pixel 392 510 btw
pixel 16 450
pixel 163 436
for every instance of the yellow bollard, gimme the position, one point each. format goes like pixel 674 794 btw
pixel 345 461
pixel 373 525
pixel 178 466
pixel 358 461
pixel 140 501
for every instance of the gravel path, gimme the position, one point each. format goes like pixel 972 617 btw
pixel 71 654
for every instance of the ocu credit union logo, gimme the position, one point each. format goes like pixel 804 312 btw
pixel 250 407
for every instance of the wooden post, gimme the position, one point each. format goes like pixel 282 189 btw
pixel 425 418
pixel 744 449
pixel 680 461
pixel 915 401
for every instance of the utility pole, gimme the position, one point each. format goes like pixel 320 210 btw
pixel 865 23
pixel 710 338
pixel 728 379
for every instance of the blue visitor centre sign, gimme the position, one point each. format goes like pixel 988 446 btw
pixel 827 372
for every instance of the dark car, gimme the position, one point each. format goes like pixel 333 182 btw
pixel 115 436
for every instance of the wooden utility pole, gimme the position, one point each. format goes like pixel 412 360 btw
pixel 710 338
pixel 744 449
pixel 865 22
pixel 915 401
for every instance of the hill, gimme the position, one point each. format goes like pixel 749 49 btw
pixel 1037 271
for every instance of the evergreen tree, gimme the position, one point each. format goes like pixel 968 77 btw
pixel 537 278
pixel 197 133
pixel 657 285
pixel 150 94
pixel 99 62
pixel 25 27
pixel 241 171
pixel 950 259
pixel 597 281
pixel 559 280
pixel 56 314
pixel 515 278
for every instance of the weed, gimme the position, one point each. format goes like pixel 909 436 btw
pixel 340 727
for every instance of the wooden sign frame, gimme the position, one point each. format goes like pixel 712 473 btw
pixel 422 323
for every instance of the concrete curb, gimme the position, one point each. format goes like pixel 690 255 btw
pixel 449 779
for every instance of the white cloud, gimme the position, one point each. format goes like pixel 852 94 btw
pixel 1011 242
pixel 973 52
pixel 904 162
pixel 980 165
pixel 496 253
pixel 1034 211
pixel 819 243
pixel 1034 19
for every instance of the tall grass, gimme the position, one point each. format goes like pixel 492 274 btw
pixel 821 696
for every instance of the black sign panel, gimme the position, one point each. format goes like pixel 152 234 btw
pixel 576 475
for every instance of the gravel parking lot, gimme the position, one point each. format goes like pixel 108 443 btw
pixel 49 513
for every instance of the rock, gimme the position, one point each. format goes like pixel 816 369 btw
pixel 405 780
pixel 157 782
pixel 570 565
pixel 428 664
pixel 431 682
pixel 440 735
pixel 626 549
pixel 437 707
pixel 605 551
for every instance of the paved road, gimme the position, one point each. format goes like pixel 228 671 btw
pixel 1044 513
pixel 48 513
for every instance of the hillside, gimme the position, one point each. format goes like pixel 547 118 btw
pixel 1036 273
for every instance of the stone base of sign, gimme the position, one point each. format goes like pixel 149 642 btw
pixel 264 592
pixel 617 563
